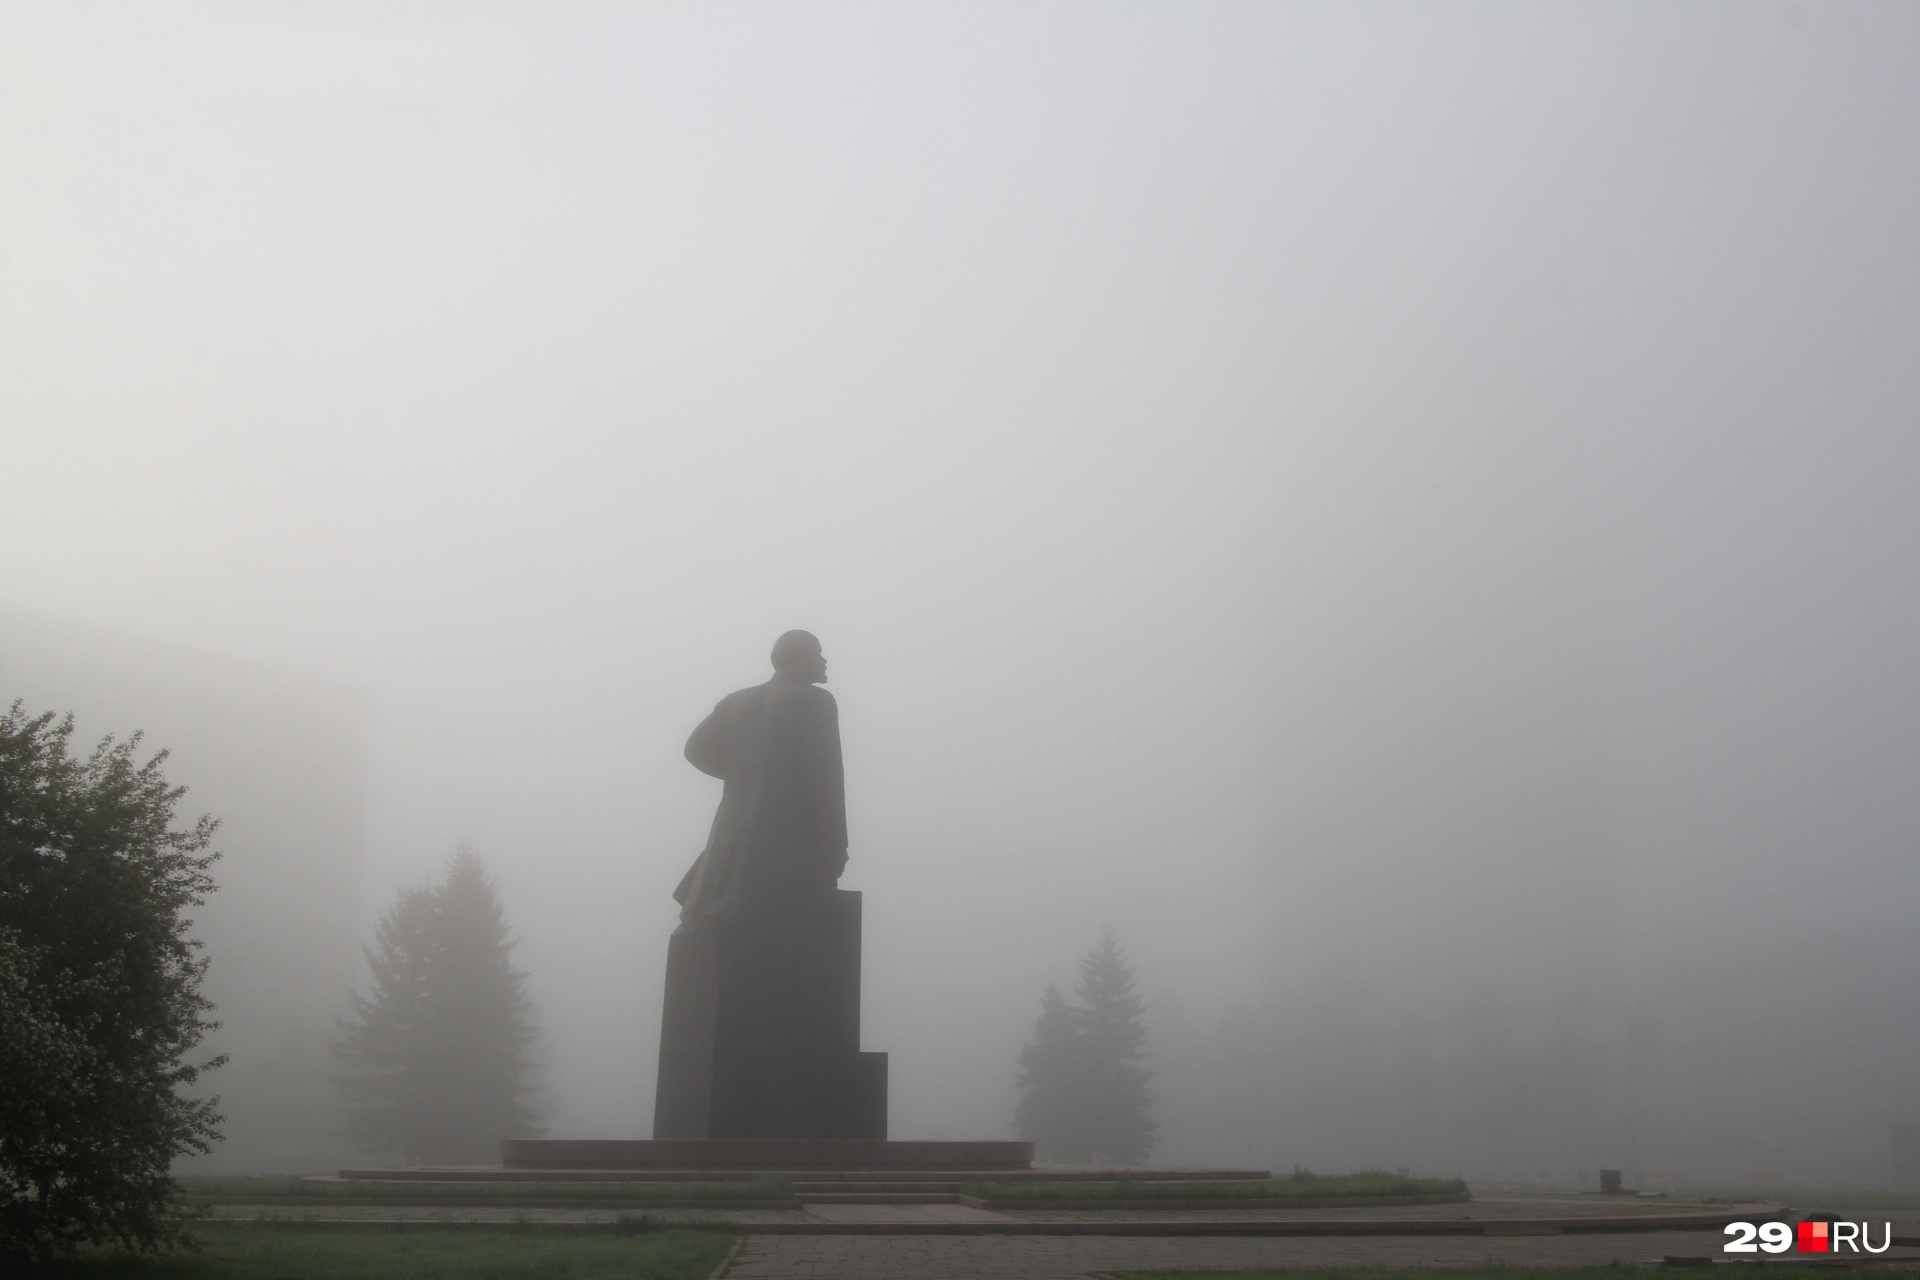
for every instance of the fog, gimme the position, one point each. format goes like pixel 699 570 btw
pixel 1406 513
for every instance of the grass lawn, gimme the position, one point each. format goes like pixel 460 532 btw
pixel 284 1187
pixel 1609 1272
pixel 274 1252
pixel 1299 1185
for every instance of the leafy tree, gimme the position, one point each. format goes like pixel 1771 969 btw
pixel 100 998
pixel 1086 1094
pixel 440 1054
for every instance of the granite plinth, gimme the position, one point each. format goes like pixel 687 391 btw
pixel 766 1154
pixel 760 1029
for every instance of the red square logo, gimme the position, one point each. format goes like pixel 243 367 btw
pixel 1813 1237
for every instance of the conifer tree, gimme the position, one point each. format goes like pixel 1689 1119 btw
pixel 387 1038
pixel 1049 1071
pixel 440 1053
pixel 1115 1087
pixel 1086 1093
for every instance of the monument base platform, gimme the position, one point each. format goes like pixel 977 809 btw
pixel 765 1154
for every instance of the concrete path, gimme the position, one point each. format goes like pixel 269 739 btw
pixel 878 1257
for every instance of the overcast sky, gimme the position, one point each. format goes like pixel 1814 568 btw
pixel 1426 486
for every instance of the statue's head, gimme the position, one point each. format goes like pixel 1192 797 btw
pixel 797 656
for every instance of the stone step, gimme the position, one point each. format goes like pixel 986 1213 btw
pixel 807 1188
pixel 914 1176
pixel 877 1197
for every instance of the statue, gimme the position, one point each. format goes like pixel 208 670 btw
pixel 760 1027
pixel 782 821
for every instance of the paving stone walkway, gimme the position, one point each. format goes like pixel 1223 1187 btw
pixel 1075 1257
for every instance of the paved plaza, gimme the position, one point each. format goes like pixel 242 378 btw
pixel 1018 1257
pixel 924 1242
pixel 1073 1257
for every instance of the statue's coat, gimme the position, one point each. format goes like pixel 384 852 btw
pixel 782 819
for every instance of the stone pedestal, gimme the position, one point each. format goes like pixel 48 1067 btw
pixel 760 1032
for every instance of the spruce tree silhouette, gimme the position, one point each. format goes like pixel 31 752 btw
pixel 439 1056
pixel 1086 1094
pixel 1049 1074
pixel 1115 1091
